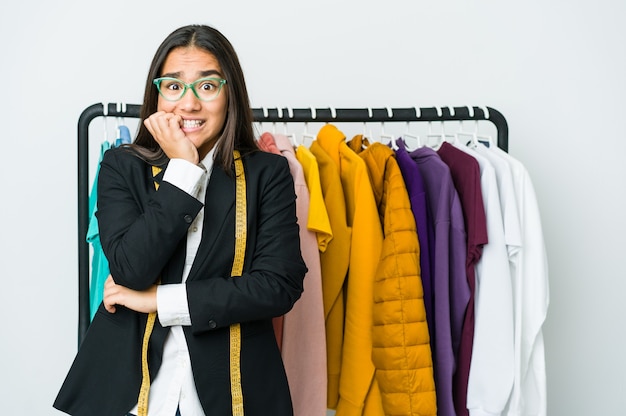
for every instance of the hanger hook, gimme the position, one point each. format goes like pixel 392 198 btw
pixel 104 125
pixel 290 115
pixel 408 134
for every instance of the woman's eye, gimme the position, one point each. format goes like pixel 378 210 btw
pixel 207 86
pixel 171 85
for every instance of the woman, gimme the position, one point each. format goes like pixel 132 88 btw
pixel 168 206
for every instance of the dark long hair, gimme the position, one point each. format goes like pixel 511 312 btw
pixel 237 132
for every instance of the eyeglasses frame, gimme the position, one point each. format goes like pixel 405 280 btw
pixel 191 86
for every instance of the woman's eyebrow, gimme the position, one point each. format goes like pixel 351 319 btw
pixel 206 73
pixel 171 75
pixel 209 73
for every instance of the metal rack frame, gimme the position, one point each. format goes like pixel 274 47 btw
pixel 282 115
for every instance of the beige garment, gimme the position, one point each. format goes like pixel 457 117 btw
pixel 304 334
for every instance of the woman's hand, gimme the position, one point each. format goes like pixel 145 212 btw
pixel 166 130
pixel 139 301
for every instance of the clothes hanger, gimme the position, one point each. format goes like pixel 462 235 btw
pixel 414 138
pixel 291 136
pixel 387 139
pixel 280 115
pixel 364 133
pixel 452 138
pixel 369 135
pixel 408 135
pixel 122 131
pixel 474 138
pixel 333 114
pixel 441 136
pixel 484 139
pixel 105 122
pixel 472 141
pixel 305 133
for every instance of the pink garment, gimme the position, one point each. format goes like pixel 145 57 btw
pixel 304 334
pixel 268 144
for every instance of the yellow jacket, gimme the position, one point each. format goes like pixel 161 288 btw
pixel 334 264
pixel 358 389
pixel 318 221
pixel 401 347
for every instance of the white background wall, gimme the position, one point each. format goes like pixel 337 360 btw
pixel 555 69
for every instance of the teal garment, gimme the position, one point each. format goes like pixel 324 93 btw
pixel 123 136
pixel 99 263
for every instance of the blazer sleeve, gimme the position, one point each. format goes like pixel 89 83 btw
pixel 274 270
pixel 140 227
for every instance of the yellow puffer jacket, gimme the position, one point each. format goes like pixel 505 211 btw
pixel 401 348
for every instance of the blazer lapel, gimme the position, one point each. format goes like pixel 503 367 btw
pixel 156 173
pixel 219 202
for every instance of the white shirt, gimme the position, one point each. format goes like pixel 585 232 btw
pixel 174 386
pixel 532 297
pixel 508 203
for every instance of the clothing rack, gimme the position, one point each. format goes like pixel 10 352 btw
pixel 270 115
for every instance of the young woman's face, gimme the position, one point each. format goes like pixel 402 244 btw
pixel 202 120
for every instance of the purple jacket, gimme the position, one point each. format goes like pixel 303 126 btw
pixel 425 233
pixel 451 290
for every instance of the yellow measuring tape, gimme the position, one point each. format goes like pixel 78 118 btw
pixel 235 329
pixel 240 251
pixel 142 405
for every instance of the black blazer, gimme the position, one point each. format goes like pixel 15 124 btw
pixel 143 234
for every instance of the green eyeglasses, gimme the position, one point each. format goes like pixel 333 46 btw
pixel 173 89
